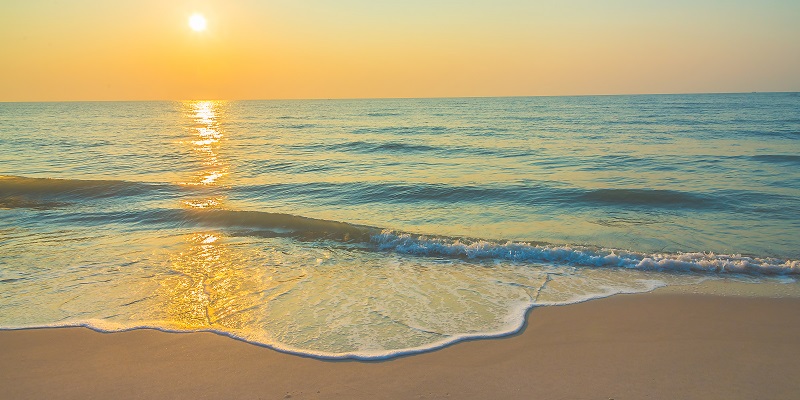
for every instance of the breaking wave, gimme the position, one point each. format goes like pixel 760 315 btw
pixel 583 256
pixel 45 194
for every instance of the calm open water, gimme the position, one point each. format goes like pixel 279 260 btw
pixel 371 228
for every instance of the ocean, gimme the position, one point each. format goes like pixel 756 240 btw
pixel 375 228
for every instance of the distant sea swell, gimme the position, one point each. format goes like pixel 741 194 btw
pixel 42 193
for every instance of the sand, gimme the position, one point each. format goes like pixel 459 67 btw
pixel 658 346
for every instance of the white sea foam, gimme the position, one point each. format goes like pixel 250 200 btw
pixel 512 323
pixel 583 256
pixel 330 303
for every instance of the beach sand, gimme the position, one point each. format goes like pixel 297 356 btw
pixel 642 346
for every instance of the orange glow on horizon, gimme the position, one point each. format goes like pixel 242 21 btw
pixel 96 50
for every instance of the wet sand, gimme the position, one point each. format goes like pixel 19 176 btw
pixel 625 347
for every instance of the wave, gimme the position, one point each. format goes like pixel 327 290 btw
pixel 777 158
pixel 389 147
pixel 264 223
pixel 50 193
pixel 526 193
pixel 298 126
pixel 76 189
pixel 402 130
pixel 407 193
pixel 383 114
pixel 237 223
pixel 581 255
pixel 16 202
pixel 46 194
pixel 649 197
pixel 397 147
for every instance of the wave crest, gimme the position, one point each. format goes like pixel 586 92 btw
pixel 38 188
pixel 582 256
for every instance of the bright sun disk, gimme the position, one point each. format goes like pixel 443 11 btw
pixel 197 22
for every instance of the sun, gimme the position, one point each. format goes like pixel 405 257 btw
pixel 197 22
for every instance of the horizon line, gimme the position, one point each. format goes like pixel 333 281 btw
pixel 396 98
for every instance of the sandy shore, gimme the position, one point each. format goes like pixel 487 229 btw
pixel 625 347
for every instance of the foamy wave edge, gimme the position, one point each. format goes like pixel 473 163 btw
pixel 582 256
pixel 372 355
pixel 515 322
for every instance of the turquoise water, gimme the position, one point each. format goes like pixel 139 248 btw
pixel 371 228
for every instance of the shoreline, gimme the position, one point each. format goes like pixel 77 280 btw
pixel 625 346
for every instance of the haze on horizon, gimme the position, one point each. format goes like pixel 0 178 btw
pixel 144 50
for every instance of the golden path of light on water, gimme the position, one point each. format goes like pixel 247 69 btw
pixel 206 142
pixel 207 289
pixel 214 284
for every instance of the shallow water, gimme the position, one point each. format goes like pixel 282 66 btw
pixel 369 228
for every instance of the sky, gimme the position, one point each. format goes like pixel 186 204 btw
pixel 61 50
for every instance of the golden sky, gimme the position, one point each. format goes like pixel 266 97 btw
pixel 268 49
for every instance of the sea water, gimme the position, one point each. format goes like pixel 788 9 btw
pixel 372 228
